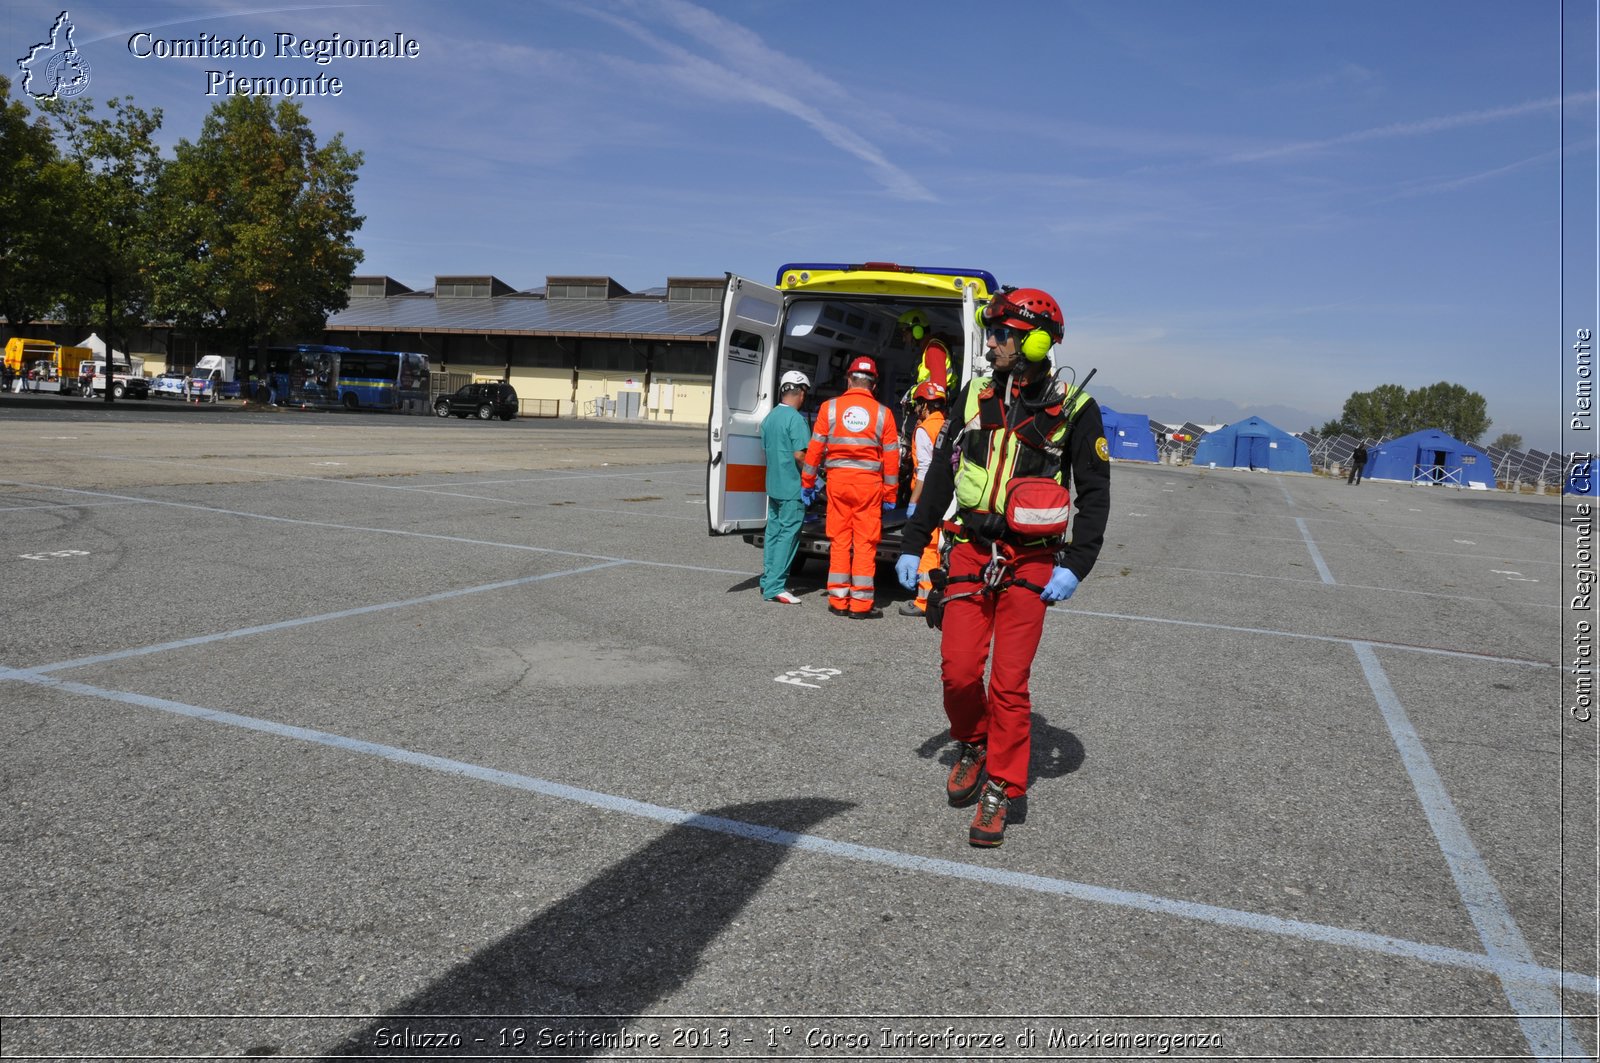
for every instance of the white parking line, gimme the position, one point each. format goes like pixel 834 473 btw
pixel 1357 587
pixel 1550 1038
pixel 1527 973
pixel 377 531
pixel 1316 555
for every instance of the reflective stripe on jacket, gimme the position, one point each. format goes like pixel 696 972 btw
pixel 1002 441
pixel 854 432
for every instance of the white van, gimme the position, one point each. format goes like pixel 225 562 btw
pixel 815 318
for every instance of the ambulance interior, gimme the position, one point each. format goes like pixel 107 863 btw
pixel 821 335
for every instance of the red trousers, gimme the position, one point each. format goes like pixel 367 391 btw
pixel 1010 622
pixel 854 527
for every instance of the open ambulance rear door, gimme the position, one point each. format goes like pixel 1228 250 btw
pixel 742 387
pixel 973 341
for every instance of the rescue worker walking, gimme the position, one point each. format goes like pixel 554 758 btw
pixel 928 408
pixel 1020 437
pixel 855 443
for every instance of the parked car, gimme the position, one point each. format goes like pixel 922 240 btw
pixel 135 387
pixel 168 385
pixel 483 401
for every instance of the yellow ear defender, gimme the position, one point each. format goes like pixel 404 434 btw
pixel 913 320
pixel 1036 345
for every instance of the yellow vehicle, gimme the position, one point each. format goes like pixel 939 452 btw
pixel 814 319
pixel 40 365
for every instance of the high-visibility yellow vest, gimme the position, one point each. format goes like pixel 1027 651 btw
pixel 993 453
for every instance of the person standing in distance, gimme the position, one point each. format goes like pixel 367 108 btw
pixel 784 434
pixel 1358 464
pixel 1016 431
pixel 855 442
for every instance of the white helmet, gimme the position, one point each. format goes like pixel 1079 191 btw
pixel 794 379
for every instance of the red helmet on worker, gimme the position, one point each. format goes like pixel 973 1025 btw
pixel 928 391
pixel 864 366
pixel 1025 309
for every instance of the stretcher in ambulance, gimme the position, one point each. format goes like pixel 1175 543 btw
pixel 815 318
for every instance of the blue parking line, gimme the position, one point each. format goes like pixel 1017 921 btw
pixel 1522 972
pixel 1550 1038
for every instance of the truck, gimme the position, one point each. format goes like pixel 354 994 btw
pixel 127 378
pixel 214 376
pixel 814 318
pixel 42 365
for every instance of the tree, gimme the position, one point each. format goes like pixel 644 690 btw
pixel 1376 414
pixel 1507 441
pixel 114 165
pixel 1462 413
pixel 1389 410
pixel 35 214
pixel 257 223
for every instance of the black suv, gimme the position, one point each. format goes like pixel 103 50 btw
pixel 485 401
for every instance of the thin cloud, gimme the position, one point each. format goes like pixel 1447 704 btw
pixel 744 67
pixel 1405 129
pixel 1451 184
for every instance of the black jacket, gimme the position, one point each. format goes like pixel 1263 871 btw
pixel 1084 467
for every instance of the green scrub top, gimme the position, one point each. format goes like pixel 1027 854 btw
pixel 783 432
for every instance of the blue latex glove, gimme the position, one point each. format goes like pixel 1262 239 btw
pixel 905 570
pixel 888 506
pixel 807 495
pixel 1063 581
pixel 911 510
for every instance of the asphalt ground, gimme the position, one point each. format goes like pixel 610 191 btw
pixel 331 735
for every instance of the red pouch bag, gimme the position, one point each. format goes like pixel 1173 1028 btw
pixel 1037 507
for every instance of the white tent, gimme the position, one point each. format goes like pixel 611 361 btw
pixel 119 359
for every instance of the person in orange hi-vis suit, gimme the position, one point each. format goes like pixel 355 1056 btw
pixel 928 408
pixel 855 443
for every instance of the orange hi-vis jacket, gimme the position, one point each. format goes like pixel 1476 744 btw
pixel 854 438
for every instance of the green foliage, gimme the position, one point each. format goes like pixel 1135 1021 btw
pixel 1507 441
pixel 36 214
pixel 256 224
pixel 1389 410
pixel 113 165
pixel 1462 413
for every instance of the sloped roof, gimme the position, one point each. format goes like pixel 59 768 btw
pixel 533 316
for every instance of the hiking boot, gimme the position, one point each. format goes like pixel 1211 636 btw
pixel 910 609
pixel 868 614
pixel 988 828
pixel 967 775
pixel 838 612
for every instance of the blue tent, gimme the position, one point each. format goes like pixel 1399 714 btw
pixel 1582 477
pixel 1128 435
pixel 1253 444
pixel 1430 456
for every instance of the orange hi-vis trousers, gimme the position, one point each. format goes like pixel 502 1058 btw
pixel 854 527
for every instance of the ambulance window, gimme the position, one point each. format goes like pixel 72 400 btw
pixel 744 367
pixel 753 309
pixel 747 343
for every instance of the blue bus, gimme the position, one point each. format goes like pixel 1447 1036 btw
pixel 324 377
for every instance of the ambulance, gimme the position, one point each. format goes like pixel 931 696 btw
pixel 815 317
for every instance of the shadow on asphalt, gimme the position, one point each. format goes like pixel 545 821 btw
pixel 609 951
pixel 1055 752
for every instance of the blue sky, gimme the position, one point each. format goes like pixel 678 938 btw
pixel 1269 202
